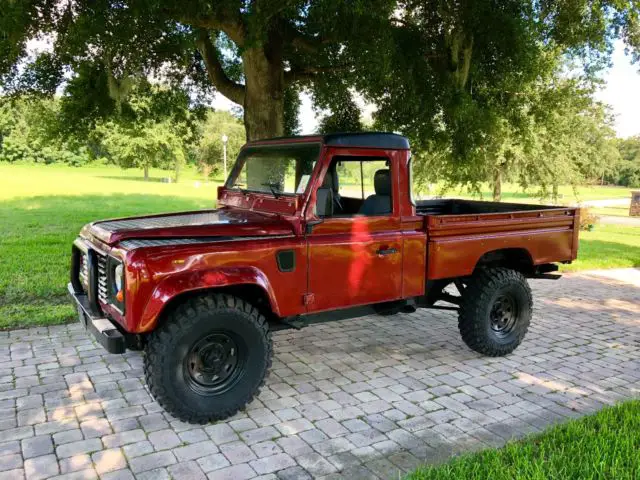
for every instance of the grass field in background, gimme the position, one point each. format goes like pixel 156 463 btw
pixel 608 246
pixel 512 192
pixel 42 208
pixel 602 446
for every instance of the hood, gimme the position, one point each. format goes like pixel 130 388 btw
pixel 190 225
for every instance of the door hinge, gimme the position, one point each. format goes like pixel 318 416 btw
pixel 308 299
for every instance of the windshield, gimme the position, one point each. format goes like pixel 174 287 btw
pixel 278 170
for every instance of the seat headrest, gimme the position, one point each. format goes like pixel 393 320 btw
pixel 382 182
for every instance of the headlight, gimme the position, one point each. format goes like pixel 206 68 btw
pixel 117 277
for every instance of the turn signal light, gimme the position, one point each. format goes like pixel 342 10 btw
pixel 120 296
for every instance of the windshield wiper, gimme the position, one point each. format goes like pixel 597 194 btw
pixel 239 184
pixel 272 187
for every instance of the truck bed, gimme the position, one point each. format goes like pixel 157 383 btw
pixel 465 207
pixel 461 233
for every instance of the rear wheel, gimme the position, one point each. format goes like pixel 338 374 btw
pixel 495 311
pixel 209 358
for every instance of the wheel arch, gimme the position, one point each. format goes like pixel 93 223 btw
pixel 248 284
pixel 518 259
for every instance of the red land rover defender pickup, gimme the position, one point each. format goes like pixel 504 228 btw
pixel 305 226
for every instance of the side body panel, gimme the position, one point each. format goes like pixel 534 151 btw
pixel 156 275
pixel 457 242
pixel 414 258
pixel 345 268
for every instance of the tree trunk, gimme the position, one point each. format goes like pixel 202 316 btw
pixel 263 108
pixel 146 173
pixel 264 95
pixel 177 172
pixel 497 184
pixel 206 171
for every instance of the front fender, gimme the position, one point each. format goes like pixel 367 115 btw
pixel 191 281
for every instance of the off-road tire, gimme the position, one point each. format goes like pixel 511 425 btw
pixel 483 289
pixel 168 347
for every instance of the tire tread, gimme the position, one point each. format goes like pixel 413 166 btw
pixel 186 316
pixel 475 299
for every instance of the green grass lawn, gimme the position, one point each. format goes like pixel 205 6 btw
pixel 42 208
pixel 607 246
pixel 602 446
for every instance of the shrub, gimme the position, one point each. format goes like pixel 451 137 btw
pixel 588 219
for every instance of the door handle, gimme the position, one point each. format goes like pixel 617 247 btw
pixel 386 251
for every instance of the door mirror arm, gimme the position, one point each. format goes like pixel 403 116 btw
pixel 308 228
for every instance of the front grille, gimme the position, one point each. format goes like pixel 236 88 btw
pixel 102 277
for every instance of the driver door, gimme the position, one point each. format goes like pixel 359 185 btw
pixel 356 258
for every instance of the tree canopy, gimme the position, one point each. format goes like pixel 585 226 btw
pixel 450 74
pixel 627 172
pixel 209 151
pixel 450 58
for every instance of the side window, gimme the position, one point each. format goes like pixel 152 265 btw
pixel 348 173
pixel 357 186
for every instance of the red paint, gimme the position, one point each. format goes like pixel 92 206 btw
pixel 248 221
pixel 338 263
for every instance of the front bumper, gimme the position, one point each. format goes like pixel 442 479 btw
pixel 103 329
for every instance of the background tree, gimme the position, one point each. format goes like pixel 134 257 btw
pixel 251 52
pixel 154 127
pixel 469 87
pixel 418 59
pixel 28 133
pixel 628 171
pixel 447 74
pixel 209 151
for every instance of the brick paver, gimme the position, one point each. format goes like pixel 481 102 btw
pixel 366 398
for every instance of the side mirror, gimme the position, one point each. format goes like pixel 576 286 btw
pixel 324 202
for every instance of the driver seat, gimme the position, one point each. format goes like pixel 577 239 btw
pixel 380 202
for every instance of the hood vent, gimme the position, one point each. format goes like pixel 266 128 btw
pixel 165 242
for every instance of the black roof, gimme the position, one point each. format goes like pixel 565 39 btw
pixel 364 139
pixel 367 139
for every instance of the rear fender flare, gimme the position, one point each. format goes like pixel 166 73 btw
pixel 193 281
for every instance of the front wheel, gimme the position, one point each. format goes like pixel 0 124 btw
pixel 495 311
pixel 209 358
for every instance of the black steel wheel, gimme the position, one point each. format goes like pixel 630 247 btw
pixel 214 363
pixel 495 311
pixel 503 314
pixel 208 358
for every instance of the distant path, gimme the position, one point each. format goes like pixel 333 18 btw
pixel 608 202
pixel 613 220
